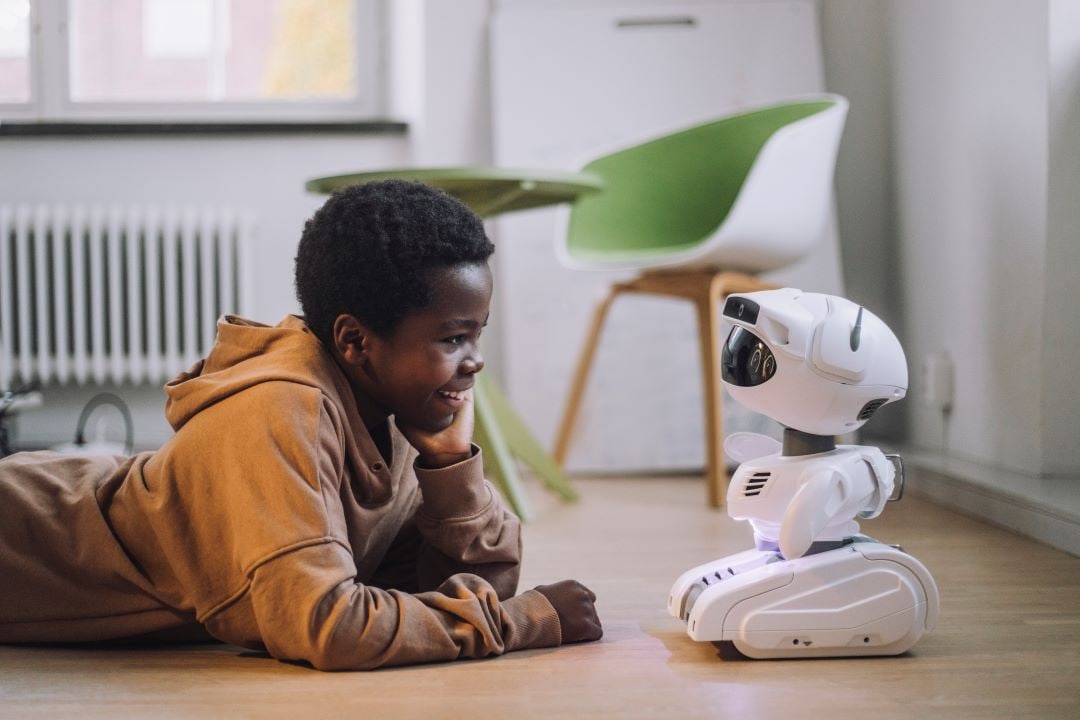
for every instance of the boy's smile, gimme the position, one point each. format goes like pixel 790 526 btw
pixel 420 372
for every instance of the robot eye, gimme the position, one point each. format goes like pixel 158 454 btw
pixel 746 361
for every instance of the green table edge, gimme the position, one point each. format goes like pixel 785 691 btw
pixel 570 184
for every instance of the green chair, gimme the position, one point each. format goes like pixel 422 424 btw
pixel 700 213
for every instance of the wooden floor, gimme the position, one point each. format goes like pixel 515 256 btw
pixel 1007 644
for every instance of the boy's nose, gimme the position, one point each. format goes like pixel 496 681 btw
pixel 473 364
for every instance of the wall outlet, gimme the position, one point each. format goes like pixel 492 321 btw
pixel 936 381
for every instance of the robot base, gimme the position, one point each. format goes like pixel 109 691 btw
pixel 864 598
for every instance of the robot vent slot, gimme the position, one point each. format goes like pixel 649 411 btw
pixel 716 577
pixel 871 407
pixel 756 484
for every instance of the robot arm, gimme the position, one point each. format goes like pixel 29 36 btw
pixel 831 499
pixel 814 506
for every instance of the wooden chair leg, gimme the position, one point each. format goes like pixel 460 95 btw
pixel 709 314
pixel 706 289
pixel 581 377
pixel 708 311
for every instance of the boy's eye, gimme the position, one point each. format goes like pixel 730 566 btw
pixel 455 340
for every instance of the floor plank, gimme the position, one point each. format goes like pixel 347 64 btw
pixel 1007 643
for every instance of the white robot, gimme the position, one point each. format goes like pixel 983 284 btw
pixel 813 586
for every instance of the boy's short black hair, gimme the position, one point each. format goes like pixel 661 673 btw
pixel 368 252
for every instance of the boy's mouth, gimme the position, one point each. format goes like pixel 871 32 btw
pixel 453 399
pixel 451 395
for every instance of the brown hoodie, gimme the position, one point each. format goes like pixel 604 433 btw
pixel 271 520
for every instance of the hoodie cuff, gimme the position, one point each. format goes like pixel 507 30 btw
pixel 532 622
pixel 454 492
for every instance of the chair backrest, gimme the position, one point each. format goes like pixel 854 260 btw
pixel 750 191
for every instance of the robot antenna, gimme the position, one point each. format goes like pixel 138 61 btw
pixel 856 332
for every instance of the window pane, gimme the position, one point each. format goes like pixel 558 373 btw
pixel 212 50
pixel 14 51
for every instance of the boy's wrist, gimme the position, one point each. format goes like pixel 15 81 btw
pixel 454 491
pixel 439 460
pixel 444 459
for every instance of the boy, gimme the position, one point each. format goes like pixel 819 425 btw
pixel 321 497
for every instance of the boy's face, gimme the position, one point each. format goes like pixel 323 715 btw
pixel 418 371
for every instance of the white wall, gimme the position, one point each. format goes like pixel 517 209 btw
pixel 854 32
pixel 1061 388
pixel 968 164
pixel 454 126
pixel 970 128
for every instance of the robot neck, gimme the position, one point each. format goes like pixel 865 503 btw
pixel 797 442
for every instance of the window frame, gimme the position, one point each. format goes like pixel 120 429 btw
pixel 50 97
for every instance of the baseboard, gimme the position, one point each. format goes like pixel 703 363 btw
pixel 1044 509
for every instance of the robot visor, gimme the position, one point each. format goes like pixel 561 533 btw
pixel 747 361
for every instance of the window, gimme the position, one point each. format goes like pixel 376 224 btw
pixel 14 51
pixel 244 60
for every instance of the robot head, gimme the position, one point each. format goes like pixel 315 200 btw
pixel 817 363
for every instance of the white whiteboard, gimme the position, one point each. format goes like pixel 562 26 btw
pixel 572 82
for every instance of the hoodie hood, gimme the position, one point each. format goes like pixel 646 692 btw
pixel 247 353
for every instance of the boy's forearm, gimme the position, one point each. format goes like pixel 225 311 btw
pixel 466 528
pixel 433 568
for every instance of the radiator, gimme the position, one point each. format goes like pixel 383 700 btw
pixel 95 294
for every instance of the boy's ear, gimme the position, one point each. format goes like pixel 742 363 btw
pixel 350 338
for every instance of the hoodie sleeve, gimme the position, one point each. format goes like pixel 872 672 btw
pixel 461 527
pixel 466 528
pixel 308 606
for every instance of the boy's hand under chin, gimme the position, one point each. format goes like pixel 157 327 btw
pixel 445 447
